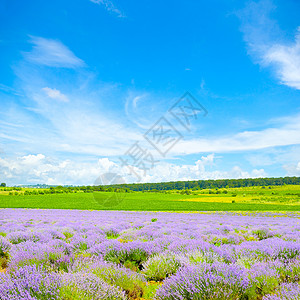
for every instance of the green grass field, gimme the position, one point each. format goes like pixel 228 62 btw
pixel 283 198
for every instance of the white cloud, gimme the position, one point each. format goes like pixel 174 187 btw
pixel 79 127
pixel 33 169
pixel 286 134
pixel 143 109
pixel 109 6
pixel 31 160
pixel 197 171
pixel 292 169
pixel 82 127
pixel 52 53
pixel 260 159
pixel 55 94
pixel 106 164
pixel 286 59
pixel 267 45
pixel 86 125
pixel 279 156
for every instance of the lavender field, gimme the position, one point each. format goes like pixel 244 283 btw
pixel 67 254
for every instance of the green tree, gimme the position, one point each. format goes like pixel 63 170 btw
pixel 3 184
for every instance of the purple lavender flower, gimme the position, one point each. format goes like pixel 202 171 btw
pixel 5 246
pixel 105 254
pixel 88 286
pixel 29 282
pixel 286 291
pixel 204 281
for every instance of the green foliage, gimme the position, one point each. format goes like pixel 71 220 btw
pixel 262 234
pixel 150 201
pixel 50 261
pixel 186 192
pixel 185 186
pixel 261 286
pixel 68 234
pixel 161 266
pixel 57 264
pixel 290 273
pixel 131 283
pixel 98 289
pixel 81 247
pixel 111 234
pixel 17 239
pixel 198 256
pixel 150 290
pixel 3 262
pixel 211 184
pixel 134 257
pixel 287 254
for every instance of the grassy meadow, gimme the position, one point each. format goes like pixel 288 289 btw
pixel 272 198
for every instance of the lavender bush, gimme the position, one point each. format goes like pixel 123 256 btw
pixel 29 282
pixel 80 285
pixel 161 266
pixel 59 254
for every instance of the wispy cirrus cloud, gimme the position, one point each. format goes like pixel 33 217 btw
pixel 9 90
pixel 52 53
pixel 266 42
pixel 109 6
pixel 78 123
pixel 285 133
pixel 72 122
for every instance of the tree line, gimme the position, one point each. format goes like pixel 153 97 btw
pixel 162 186
pixel 210 184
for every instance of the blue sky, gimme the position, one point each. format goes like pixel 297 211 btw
pixel 82 81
